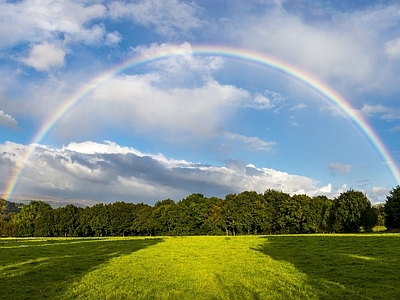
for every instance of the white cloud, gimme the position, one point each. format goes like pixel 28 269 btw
pixel 182 62
pixel 338 167
pixel 378 194
pixel 370 110
pixel 40 20
pixel 380 191
pixel 299 106
pixel 342 189
pixel 385 113
pixel 7 120
pixel 43 57
pixel 143 102
pixel 165 101
pixel 267 100
pixel 109 172
pixel 344 49
pixel 166 17
pixel 252 143
pixel 178 100
pixel 326 189
pixel 113 38
pixel 392 48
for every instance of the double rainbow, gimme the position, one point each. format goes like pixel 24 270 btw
pixel 316 85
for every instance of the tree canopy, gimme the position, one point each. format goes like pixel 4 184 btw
pixel 249 212
pixel 392 209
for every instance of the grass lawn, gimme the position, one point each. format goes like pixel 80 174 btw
pixel 247 267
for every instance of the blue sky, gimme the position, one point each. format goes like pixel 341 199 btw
pixel 197 124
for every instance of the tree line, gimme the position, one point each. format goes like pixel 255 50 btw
pixel 249 212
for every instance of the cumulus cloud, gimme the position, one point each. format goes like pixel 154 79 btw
pixel 326 189
pixel 43 57
pixel 113 38
pixel 109 172
pixel 176 103
pixel 178 100
pixel 341 168
pixel 167 18
pixel 7 120
pixel 34 21
pixel 146 105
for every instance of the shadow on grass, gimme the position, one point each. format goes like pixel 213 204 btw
pixel 44 269
pixel 342 266
pixel 235 290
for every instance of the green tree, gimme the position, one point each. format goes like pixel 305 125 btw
pixel 67 220
pixel 380 207
pixel 99 220
pixel 164 217
pixel 34 219
pixel 213 224
pixel 2 206
pixel 392 209
pixel 231 215
pixel 8 229
pixel 282 211
pixel 319 213
pixel 142 222
pixel 121 218
pixel 370 218
pixel 348 211
pixel 193 214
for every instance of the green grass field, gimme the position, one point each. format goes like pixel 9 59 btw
pixel 247 267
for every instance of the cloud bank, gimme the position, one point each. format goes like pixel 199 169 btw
pixel 109 172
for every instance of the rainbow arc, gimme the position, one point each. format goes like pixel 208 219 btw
pixel 326 93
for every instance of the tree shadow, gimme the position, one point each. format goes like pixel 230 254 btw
pixel 342 266
pixel 235 290
pixel 44 269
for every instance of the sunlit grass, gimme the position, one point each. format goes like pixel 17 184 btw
pixel 378 228
pixel 46 268
pixel 247 267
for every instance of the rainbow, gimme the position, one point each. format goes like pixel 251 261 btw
pixel 327 93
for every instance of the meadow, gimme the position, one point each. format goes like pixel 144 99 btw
pixel 362 266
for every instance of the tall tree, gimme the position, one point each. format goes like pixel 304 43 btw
pixel 193 213
pixel 99 220
pixel 392 209
pixel 281 210
pixel 67 220
pixel 164 217
pixel 319 212
pixel 142 222
pixel 348 211
pixel 213 224
pixel 121 218
pixel 34 217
